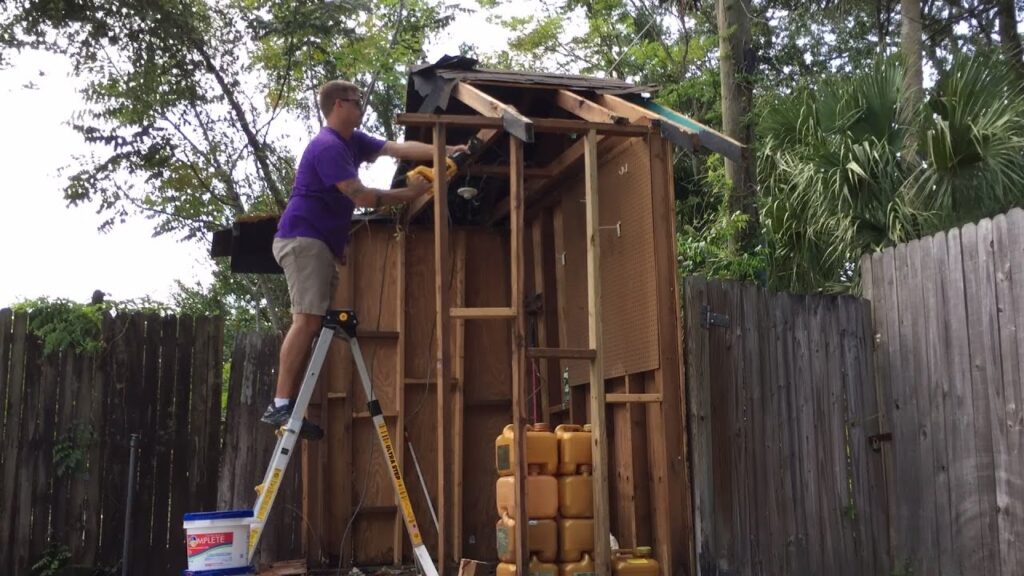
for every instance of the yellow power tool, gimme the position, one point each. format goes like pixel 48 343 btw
pixel 454 163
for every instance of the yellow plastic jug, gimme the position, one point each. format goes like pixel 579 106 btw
pixel 575 536
pixel 537 568
pixel 541 450
pixel 636 562
pixel 584 567
pixel 574 448
pixel 576 495
pixel 543 535
pixel 541 496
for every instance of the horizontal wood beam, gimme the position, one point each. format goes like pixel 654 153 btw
pixel 377 335
pixel 575 353
pixel 504 170
pixel 569 159
pixel 546 125
pixel 626 398
pixel 511 120
pixel 426 381
pixel 366 414
pixel 482 313
pixel 590 111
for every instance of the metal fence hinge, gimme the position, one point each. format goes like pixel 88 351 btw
pixel 709 318
pixel 875 441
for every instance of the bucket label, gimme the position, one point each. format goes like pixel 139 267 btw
pixel 504 456
pixel 213 548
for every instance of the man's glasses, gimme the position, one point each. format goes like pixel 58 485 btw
pixel 358 101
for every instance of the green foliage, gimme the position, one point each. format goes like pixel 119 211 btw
pixel 70 450
pixel 245 301
pixel 55 557
pixel 834 182
pixel 63 324
pixel 188 101
pixel 707 251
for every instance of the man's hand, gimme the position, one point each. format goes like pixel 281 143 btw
pixel 451 150
pixel 419 185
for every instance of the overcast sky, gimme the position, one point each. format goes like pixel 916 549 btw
pixel 49 249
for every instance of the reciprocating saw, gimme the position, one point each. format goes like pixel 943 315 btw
pixel 454 163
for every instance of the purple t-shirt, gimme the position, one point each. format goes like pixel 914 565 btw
pixel 316 208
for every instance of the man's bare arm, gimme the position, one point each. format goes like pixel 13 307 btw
pixel 366 197
pixel 412 150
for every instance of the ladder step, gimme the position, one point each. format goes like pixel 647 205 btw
pixel 482 313
pixel 428 381
pixel 626 398
pixel 379 509
pixel 493 402
pixel 365 414
pixel 377 335
pixel 581 353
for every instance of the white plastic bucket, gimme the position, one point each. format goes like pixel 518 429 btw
pixel 217 540
pixel 243 571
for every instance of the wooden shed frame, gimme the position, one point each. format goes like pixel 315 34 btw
pixel 596 122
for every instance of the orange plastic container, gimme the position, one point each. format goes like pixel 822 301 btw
pixel 543 538
pixel 576 495
pixel 537 568
pixel 575 536
pixel 584 567
pixel 574 448
pixel 636 562
pixel 541 450
pixel 541 496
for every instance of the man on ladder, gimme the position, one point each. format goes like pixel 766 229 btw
pixel 313 230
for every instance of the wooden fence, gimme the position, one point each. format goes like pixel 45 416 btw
pixel 65 423
pixel 946 312
pixel 66 435
pixel 782 403
pixel 249 444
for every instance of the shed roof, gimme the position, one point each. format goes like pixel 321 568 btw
pixel 474 101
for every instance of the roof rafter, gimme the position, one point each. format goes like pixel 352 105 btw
pixel 580 106
pixel 514 123
pixel 681 130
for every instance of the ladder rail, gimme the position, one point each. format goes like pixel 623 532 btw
pixel 420 552
pixel 288 436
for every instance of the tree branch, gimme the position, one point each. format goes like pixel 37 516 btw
pixel 258 149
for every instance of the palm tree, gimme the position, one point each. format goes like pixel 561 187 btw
pixel 833 182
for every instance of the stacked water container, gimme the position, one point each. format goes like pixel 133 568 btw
pixel 575 500
pixel 541 503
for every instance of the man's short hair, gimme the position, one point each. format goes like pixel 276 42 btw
pixel 334 90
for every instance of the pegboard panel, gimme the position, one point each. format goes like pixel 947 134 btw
pixel 628 295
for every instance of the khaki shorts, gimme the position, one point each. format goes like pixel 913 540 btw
pixel 310 270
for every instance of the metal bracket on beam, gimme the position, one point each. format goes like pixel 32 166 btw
pixel 709 318
pixel 516 126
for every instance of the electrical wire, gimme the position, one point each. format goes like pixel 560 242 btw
pixel 373 445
